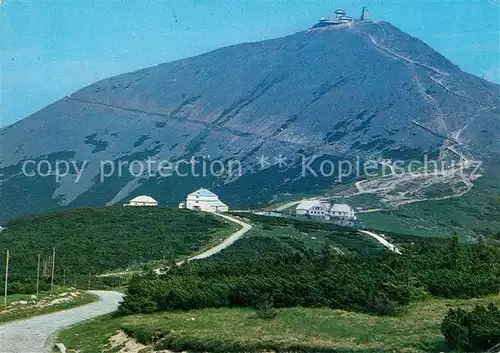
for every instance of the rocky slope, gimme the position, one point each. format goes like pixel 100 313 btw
pixel 368 90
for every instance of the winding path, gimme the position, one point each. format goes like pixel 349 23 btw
pixel 245 227
pixel 34 335
pixel 31 335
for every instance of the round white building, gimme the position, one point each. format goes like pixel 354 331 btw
pixel 143 200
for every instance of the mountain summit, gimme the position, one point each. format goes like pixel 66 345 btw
pixel 365 90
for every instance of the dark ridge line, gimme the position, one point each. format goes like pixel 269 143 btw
pixel 436 133
pixel 140 111
pixel 209 126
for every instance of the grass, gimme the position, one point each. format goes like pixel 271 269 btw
pixel 41 295
pixel 236 330
pixel 22 312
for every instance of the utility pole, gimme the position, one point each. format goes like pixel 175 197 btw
pixel 53 263
pixel 44 268
pixel 64 277
pixel 6 279
pixel 37 275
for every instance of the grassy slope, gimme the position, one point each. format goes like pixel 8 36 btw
pixel 417 330
pixel 293 234
pixel 23 312
pixel 100 239
pixel 475 213
pixel 285 234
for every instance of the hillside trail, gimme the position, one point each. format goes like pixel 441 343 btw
pixel 389 186
pixel 439 77
pixel 34 335
pixel 245 227
pixel 380 238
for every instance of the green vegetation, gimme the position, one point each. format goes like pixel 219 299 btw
pixel 476 213
pixel 293 234
pixel 294 272
pixel 96 240
pixel 45 304
pixel 478 329
pixel 416 330
pixel 283 293
pixel 265 308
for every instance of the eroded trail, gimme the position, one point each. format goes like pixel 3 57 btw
pixel 245 227
pixel 31 335
pixel 410 187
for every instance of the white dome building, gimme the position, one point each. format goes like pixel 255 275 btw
pixel 204 200
pixel 143 200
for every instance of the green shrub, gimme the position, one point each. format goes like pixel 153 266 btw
pixel 27 287
pixel 265 307
pixel 294 275
pixel 104 238
pixel 142 333
pixel 477 330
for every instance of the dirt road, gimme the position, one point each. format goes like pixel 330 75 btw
pixel 30 335
pixel 245 227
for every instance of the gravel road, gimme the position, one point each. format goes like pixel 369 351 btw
pixel 245 227
pixel 30 335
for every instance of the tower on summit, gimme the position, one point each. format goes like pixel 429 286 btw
pixel 364 14
pixel 341 20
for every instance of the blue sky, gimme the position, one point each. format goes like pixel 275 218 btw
pixel 52 48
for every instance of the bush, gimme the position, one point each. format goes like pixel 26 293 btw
pixel 145 334
pixel 27 287
pixel 383 306
pixel 265 307
pixel 104 238
pixel 256 267
pixel 478 330
pixel 137 304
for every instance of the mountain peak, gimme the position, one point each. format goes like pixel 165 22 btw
pixel 367 90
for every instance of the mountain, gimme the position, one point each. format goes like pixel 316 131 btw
pixel 367 91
